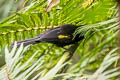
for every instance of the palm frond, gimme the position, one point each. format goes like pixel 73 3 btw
pixel 15 69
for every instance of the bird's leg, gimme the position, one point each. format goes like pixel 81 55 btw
pixel 69 51
pixel 70 55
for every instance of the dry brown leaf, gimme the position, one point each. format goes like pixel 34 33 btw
pixel 51 4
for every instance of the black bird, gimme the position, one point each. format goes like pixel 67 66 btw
pixel 61 36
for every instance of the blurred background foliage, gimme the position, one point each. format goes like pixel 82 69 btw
pixel 95 58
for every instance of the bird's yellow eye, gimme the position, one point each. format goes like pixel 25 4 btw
pixel 63 37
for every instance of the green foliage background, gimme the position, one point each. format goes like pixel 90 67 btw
pixel 95 58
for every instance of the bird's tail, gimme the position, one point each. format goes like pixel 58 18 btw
pixel 25 42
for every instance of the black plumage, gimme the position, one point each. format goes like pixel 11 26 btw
pixel 61 36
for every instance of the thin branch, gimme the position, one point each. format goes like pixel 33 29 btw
pixel 7 73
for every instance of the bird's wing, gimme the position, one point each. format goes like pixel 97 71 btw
pixel 48 35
